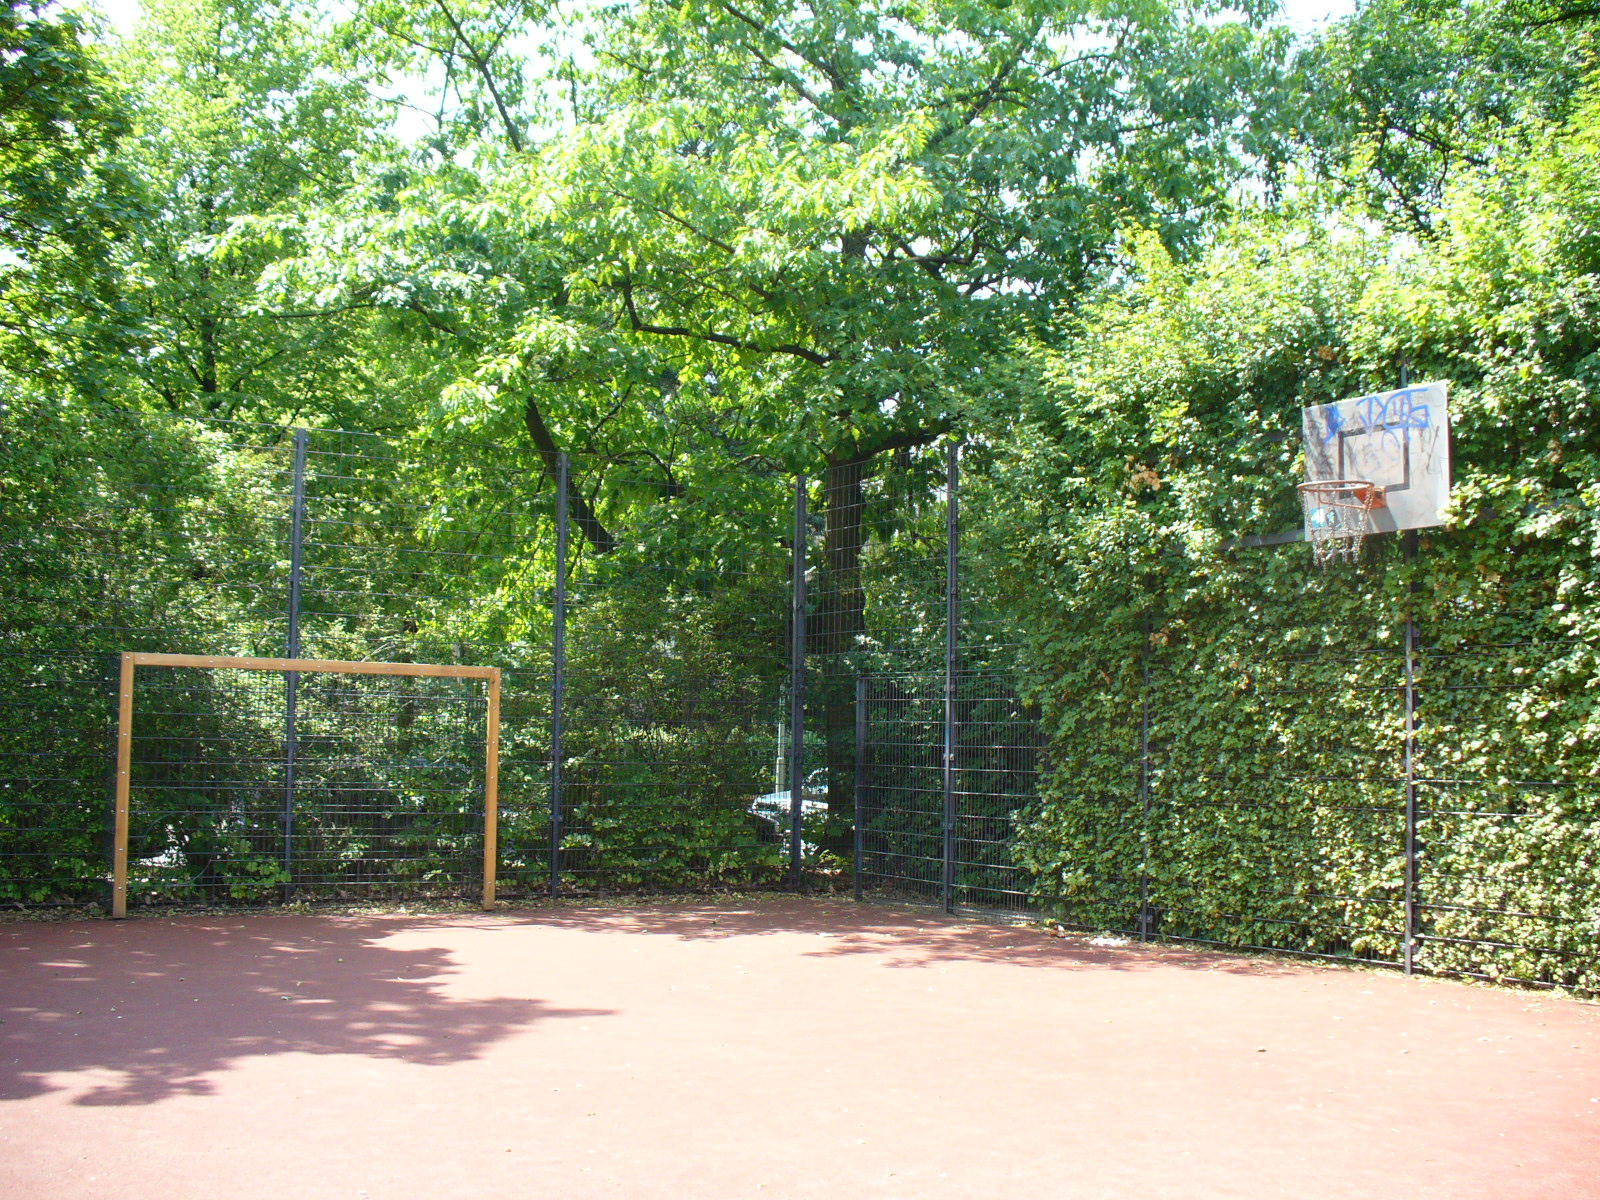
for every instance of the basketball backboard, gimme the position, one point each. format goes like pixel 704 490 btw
pixel 1399 440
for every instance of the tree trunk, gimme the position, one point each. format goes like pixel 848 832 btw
pixel 841 613
pixel 579 509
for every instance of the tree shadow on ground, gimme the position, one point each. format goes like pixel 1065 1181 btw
pixel 900 937
pixel 151 1010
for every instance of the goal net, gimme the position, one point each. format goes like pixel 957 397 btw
pixel 248 778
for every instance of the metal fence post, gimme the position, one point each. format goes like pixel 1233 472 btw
pixel 797 687
pixel 291 684
pixel 951 610
pixel 1145 919
pixel 558 670
pixel 1409 543
pixel 858 849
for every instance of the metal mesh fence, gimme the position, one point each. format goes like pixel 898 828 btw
pixel 673 693
pixel 998 747
pixel 411 552
pixel 145 534
pixel 902 792
pixel 653 741
pixel 938 751
pixel 999 750
pixel 1377 783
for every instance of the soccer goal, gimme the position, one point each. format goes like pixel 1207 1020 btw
pixel 238 777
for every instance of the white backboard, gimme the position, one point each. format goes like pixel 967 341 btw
pixel 1399 439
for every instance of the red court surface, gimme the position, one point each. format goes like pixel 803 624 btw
pixel 780 1049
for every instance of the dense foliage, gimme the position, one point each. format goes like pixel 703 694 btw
pixel 1226 723
pixel 64 196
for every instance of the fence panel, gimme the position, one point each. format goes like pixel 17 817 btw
pixel 143 533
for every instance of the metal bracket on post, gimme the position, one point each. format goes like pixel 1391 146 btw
pixel 291 679
pixel 558 671
pixel 1409 544
pixel 951 613
pixel 858 849
pixel 797 688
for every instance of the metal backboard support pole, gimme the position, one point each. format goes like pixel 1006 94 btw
pixel 558 672
pixel 797 688
pixel 1410 545
pixel 291 681
pixel 1145 916
pixel 951 612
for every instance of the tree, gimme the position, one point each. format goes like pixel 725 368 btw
pixel 62 199
pixel 806 232
pixel 1405 95
pixel 240 130
pixel 832 214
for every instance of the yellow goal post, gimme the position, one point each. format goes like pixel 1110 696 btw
pixel 132 660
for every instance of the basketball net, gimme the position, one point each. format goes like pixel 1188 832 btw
pixel 1338 517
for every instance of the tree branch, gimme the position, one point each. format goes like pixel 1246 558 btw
pixel 832 73
pixel 669 215
pixel 1562 16
pixel 721 339
pixel 482 65
pixel 544 442
pixel 793 82
pixel 992 91
pixel 889 440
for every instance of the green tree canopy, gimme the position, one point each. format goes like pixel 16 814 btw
pixel 240 130
pixel 1406 94
pixel 63 198
pixel 808 232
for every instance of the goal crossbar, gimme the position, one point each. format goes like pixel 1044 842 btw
pixel 131 660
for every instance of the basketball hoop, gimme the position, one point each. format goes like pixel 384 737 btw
pixel 1338 516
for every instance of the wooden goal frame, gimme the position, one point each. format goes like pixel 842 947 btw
pixel 132 660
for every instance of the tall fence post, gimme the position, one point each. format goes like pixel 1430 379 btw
pixel 1409 544
pixel 859 847
pixel 558 671
pixel 291 679
pixel 1145 918
pixel 797 687
pixel 951 612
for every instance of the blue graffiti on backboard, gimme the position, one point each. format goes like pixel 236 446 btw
pixel 1385 413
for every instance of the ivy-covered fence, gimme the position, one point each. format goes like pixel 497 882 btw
pixel 1232 764
pixel 1226 724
